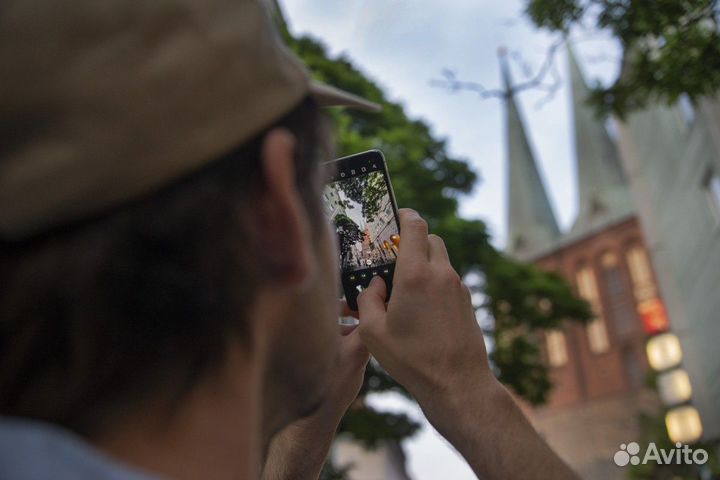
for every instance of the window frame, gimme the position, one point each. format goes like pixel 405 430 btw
pixel 588 288
pixel 557 350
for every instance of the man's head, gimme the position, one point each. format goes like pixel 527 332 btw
pixel 142 302
pixel 159 208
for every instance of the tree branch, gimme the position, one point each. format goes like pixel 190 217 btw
pixel 539 81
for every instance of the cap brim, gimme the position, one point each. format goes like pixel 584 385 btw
pixel 328 96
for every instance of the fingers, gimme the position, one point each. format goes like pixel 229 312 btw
pixel 414 236
pixel 346 329
pixel 371 302
pixel 345 310
pixel 353 347
pixel 437 250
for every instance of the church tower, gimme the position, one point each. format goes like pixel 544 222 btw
pixel 603 190
pixel 598 370
pixel 532 227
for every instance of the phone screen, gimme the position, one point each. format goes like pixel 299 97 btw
pixel 361 206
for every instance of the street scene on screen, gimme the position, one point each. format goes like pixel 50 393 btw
pixel 361 210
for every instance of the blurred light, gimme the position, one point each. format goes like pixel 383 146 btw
pixel 683 424
pixel 674 387
pixel 653 316
pixel 545 305
pixel 664 351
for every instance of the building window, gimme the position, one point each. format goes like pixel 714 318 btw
pixel 712 187
pixel 650 308
pixel 620 305
pixel 597 335
pixel 556 348
pixel 596 329
pixel 641 274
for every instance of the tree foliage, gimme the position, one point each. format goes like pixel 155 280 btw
pixel 426 177
pixel 373 195
pixel 670 47
pixel 354 188
pixel 348 232
pixel 366 191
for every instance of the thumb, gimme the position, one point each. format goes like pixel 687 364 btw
pixel 371 302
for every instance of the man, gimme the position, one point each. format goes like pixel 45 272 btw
pixel 168 304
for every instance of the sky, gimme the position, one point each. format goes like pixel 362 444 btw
pixel 403 46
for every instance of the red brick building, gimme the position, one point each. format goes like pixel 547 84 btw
pixel 598 370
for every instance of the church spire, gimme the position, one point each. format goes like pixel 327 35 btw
pixel 603 193
pixel 532 227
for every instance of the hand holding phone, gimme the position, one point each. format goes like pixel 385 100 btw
pixel 428 339
pixel 360 203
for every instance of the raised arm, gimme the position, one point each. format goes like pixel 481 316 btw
pixel 298 452
pixel 428 339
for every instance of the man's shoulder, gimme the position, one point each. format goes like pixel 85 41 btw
pixel 32 450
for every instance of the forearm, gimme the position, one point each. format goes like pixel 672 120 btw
pixel 495 438
pixel 298 452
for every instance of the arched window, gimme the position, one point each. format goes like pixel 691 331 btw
pixel 556 348
pixel 641 274
pixel 596 329
pixel 619 302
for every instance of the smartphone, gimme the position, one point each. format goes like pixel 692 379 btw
pixel 360 203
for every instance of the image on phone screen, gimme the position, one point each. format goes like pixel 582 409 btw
pixel 360 204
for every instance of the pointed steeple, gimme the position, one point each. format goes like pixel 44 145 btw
pixel 603 192
pixel 532 227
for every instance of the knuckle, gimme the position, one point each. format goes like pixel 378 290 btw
pixel 414 276
pixel 450 277
pixel 418 224
pixel 435 238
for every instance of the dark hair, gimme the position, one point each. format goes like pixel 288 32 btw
pixel 141 302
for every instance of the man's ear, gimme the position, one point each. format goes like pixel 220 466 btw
pixel 285 229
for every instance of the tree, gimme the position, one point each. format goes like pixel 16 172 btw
pixel 353 188
pixel 373 195
pixel 522 300
pixel 348 232
pixel 670 47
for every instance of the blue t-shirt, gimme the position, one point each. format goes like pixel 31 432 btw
pixel 31 450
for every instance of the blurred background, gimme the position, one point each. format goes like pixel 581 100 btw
pixel 569 153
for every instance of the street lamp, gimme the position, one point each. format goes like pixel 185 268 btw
pixel 674 387
pixel 664 351
pixel 683 424
pixel 665 354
